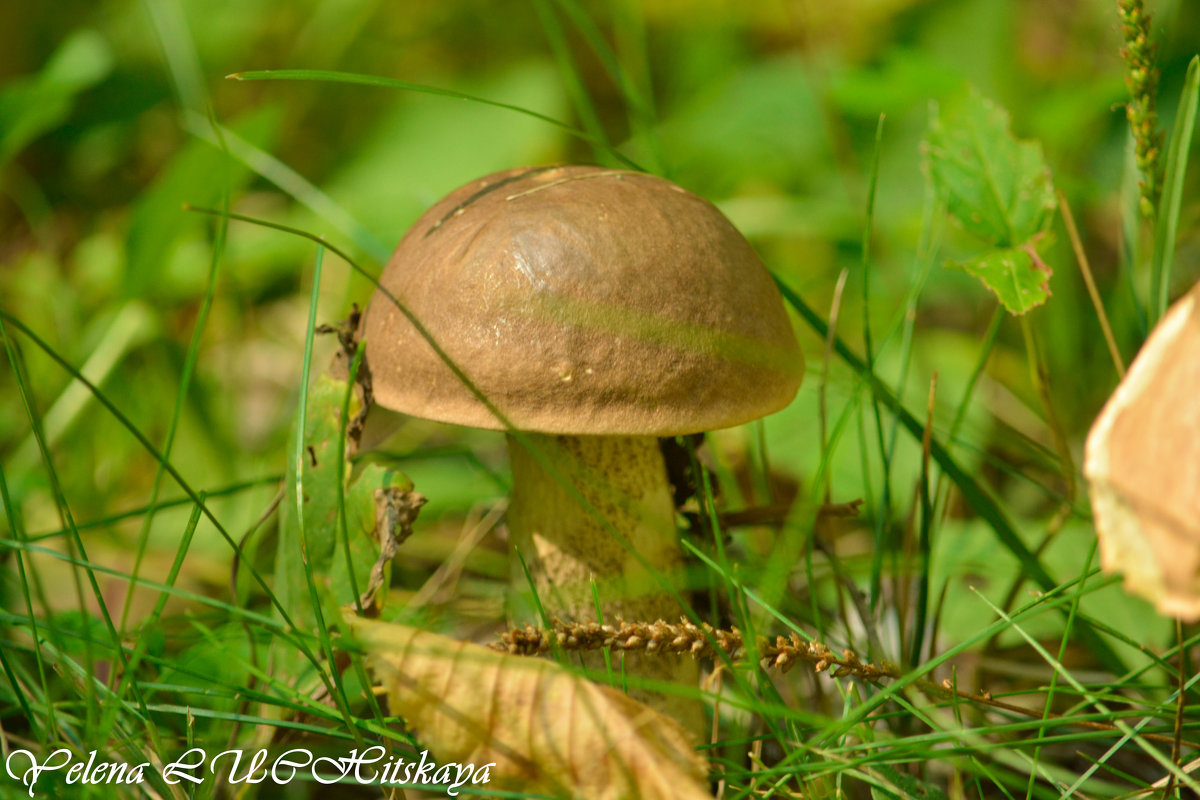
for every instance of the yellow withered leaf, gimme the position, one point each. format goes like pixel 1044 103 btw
pixel 1143 467
pixel 546 729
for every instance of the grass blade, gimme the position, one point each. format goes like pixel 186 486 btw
pixel 185 377
pixel 393 83
pixel 331 677
pixel 17 531
pixel 641 113
pixel 292 183
pixel 131 327
pixel 973 492
pixel 1172 197
pixel 569 68
pixel 8 319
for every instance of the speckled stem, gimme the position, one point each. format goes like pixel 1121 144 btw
pixel 566 548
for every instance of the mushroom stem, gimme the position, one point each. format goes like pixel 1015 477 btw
pixel 566 547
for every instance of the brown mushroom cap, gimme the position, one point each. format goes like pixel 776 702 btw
pixel 581 300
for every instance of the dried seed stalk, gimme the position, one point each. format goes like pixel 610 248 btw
pixel 700 641
pixel 1142 79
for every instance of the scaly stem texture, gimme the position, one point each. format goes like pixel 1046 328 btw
pixel 578 568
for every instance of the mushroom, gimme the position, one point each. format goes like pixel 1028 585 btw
pixel 596 310
pixel 1142 463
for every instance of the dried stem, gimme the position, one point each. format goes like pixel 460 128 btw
pixel 1086 270
pixel 700 641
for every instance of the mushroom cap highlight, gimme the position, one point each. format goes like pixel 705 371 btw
pixel 581 300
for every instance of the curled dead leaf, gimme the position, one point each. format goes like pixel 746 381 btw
pixel 546 729
pixel 1143 467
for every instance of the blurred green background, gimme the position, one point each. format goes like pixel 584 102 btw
pixel 107 114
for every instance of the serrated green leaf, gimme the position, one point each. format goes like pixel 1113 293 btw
pixel 1017 275
pixel 996 185
pixel 999 189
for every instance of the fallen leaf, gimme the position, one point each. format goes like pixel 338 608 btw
pixel 1143 467
pixel 546 729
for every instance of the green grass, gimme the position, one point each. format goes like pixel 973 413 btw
pixel 156 358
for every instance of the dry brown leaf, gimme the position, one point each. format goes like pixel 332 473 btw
pixel 546 729
pixel 1143 466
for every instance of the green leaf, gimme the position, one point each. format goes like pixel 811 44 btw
pixel 999 190
pixel 1172 198
pixel 1017 275
pixel 996 185
pixel 337 581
